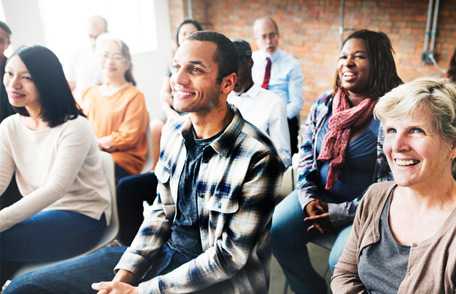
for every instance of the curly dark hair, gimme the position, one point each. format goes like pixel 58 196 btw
pixel 383 74
pixel 451 73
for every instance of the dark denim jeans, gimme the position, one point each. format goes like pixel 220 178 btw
pixel 76 276
pixel 48 236
pixel 132 191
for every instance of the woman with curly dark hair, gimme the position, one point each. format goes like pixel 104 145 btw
pixel 338 159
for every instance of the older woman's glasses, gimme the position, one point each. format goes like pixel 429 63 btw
pixel 116 56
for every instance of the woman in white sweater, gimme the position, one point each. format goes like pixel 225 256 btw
pixel 50 148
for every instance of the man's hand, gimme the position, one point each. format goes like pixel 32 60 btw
pixel 114 288
pixel 317 214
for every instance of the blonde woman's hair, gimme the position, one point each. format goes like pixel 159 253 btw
pixel 436 94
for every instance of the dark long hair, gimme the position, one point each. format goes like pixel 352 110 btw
pixel 451 73
pixel 55 97
pixel 383 75
pixel 5 108
pixel 127 55
pixel 193 22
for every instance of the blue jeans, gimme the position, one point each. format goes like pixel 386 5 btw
pixel 75 276
pixel 48 236
pixel 338 247
pixel 120 172
pixel 289 240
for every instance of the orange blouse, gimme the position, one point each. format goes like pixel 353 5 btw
pixel 123 116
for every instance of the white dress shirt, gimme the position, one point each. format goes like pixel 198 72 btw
pixel 267 112
pixel 84 70
pixel 286 78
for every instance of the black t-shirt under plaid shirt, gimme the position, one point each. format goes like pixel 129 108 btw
pixel 185 236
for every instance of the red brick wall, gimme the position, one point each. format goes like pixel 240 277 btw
pixel 309 29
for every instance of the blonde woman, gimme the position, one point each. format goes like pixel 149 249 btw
pixel 403 233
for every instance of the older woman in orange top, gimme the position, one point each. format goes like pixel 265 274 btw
pixel 117 109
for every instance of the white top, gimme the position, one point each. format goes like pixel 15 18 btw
pixel 56 168
pixel 84 70
pixel 286 78
pixel 267 112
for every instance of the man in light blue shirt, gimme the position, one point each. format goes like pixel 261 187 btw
pixel 279 72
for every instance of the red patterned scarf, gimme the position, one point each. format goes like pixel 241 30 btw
pixel 343 120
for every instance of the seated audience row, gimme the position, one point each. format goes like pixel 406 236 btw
pixel 209 226
pixel 208 230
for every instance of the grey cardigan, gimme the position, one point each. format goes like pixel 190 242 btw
pixel 432 263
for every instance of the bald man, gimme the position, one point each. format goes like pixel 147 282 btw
pixel 278 71
pixel 83 70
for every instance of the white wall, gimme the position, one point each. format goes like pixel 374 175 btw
pixel 151 67
pixel 25 20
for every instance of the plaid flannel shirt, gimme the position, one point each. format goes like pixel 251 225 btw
pixel 236 188
pixel 308 169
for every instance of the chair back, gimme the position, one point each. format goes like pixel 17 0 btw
pixel 112 229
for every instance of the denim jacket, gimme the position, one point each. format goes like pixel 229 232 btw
pixel 308 169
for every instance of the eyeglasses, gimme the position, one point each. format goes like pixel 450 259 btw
pixel 115 57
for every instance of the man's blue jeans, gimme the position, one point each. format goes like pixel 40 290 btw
pixel 73 276
pixel 48 236
pixel 289 239
pixel 76 275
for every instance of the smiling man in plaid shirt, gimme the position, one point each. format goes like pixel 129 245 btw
pixel 208 229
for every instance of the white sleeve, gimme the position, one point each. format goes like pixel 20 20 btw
pixel 70 65
pixel 6 160
pixel 295 86
pixel 279 133
pixel 74 144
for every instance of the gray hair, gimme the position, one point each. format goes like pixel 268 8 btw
pixel 124 50
pixel 436 94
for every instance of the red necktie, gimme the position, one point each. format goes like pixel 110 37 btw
pixel 267 74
